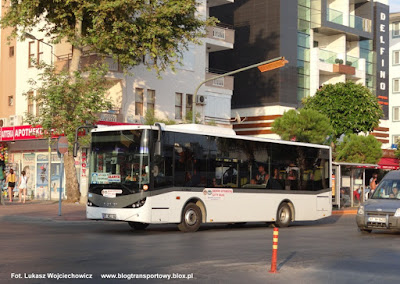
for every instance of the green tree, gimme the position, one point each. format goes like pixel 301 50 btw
pixel 359 149
pixel 351 107
pixel 303 125
pixel 126 30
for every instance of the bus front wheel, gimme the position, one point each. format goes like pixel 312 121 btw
pixel 191 218
pixel 138 226
pixel 284 216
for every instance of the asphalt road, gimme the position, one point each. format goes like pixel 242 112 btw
pixel 327 251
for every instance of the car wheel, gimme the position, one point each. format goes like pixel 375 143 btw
pixel 284 216
pixel 191 218
pixel 138 226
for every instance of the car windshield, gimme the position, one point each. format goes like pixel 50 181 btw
pixel 387 189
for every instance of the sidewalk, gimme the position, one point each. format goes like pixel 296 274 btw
pixel 46 210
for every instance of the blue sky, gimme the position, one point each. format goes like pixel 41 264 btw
pixel 394 6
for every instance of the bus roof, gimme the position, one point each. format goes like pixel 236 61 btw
pixel 205 130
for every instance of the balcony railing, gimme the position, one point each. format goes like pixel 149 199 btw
pixel 327 56
pixel 64 61
pixel 355 22
pixel 224 82
pixel 221 32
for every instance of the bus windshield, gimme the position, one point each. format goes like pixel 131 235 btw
pixel 120 157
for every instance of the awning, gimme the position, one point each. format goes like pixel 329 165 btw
pixel 389 164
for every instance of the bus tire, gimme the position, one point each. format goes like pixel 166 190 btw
pixel 191 218
pixel 284 216
pixel 138 226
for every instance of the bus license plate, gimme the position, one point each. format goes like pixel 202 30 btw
pixel 109 216
pixel 377 219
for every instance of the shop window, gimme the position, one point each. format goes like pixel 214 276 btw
pixel 139 101
pixel 395 139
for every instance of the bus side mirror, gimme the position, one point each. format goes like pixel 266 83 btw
pixel 76 148
pixel 158 144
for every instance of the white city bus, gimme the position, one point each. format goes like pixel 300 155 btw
pixel 194 174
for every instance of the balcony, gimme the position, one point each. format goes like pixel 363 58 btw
pixel 63 62
pixel 355 22
pixel 220 37
pixel 220 83
pixel 332 62
pixel 213 3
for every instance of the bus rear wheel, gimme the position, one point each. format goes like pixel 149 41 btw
pixel 284 216
pixel 138 226
pixel 191 218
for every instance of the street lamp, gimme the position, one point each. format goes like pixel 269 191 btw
pixel 262 66
pixel 28 35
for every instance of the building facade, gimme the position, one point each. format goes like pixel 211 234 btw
pixel 325 42
pixel 394 79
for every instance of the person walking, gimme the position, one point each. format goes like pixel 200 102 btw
pixel 10 181
pixel 1 184
pixel 22 185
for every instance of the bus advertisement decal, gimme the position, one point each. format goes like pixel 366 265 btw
pixel 216 193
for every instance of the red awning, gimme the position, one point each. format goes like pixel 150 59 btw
pixel 389 164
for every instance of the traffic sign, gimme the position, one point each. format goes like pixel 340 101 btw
pixel 62 145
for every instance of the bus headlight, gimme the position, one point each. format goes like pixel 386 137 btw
pixel 397 213
pixel 360 210
pixel 139 203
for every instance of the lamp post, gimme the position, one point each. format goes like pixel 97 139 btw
pixel 28 35
pixel 262 66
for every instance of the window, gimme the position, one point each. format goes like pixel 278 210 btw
pixel 139 101
pixel 396 85
pixel 396 114
pixel 39 51
pixel 151 99
pixel 178 105
pixel 189 103
pixel 31 56
pixel 395 139
pixel 396 57
pixel 11 51
pixel 30 103
pixel 10 100
pixel 396 29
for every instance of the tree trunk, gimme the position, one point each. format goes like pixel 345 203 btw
pixel 71 182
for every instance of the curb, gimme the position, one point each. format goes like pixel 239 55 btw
pixel 344 212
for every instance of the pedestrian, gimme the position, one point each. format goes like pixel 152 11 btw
pixel 373 182
pixel 1 184
pixel 10 181
pixel 22 186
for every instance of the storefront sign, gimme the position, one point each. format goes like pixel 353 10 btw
pixel 20 133
pixel 381 42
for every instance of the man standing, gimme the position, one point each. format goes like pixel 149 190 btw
pixel 373 182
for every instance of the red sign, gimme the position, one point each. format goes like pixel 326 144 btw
pixel 27 132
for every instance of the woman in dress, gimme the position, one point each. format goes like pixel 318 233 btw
pixel 23 180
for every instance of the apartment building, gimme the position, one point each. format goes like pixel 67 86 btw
pixel 170 97
pixel 394 79
pixel 325 41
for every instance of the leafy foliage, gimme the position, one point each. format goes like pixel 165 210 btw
pixel 351 107
pixel 63 105
pixel 150 119
pixel 303 125
pixel 359 149
pixel 124 29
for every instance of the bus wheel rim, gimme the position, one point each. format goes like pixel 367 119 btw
pixel 190 217
pixel 284 215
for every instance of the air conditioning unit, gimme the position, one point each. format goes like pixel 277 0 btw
pixel 15 120
pixel 201 100
pixel 3 122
